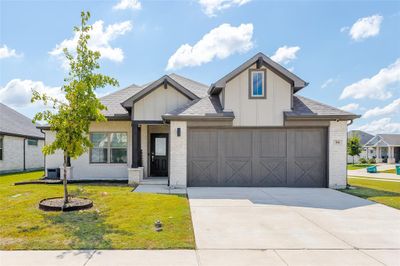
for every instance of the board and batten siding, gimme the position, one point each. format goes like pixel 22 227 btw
pixel 257 112
pixel 158 102
pixel 82 168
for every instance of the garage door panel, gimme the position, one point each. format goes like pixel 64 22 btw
pixel 204 171
pixel 270 172
pixel 294 157
pixel 308 143
pixel 203 143
pixel 272 143
pixel 236 172
pixel 307 173
pixel 236 143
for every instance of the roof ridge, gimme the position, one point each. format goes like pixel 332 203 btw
pixel 189 79
pixel 128 87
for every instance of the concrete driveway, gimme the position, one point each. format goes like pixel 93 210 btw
pixel 293 226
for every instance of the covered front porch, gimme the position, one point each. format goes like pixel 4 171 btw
pixel 386 154
pixel 154 151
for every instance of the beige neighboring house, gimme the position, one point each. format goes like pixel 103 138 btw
pixel 20 142
pixel 386 147
pixel 249 128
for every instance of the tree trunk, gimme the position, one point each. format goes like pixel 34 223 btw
pixel 353 159
pixel 65 179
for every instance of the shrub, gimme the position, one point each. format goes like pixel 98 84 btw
pixel 372 160
pixel 363 160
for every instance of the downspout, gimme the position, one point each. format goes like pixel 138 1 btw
pixel 347 139
pixel 44 157
pixel 24 150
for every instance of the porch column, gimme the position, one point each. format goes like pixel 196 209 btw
pixel 135 144
pixel 378 154
pixel 391 158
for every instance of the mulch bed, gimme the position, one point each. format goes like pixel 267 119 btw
pixel 57 204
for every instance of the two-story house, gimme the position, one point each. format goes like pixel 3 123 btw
pixel 249 128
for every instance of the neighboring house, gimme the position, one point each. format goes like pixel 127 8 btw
pixel 249 128
pixel 20 142
pixel 364 138
pixel 386 146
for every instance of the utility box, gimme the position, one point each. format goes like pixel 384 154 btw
pixel 53 173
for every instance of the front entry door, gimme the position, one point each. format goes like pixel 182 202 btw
pixel 159 154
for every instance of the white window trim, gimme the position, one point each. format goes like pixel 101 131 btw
pixel 109 148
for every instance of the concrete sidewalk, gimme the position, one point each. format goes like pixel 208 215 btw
pixel 200 257
pixel 381 167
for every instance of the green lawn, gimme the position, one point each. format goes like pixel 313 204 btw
pixel 357 166
pixel 385 192
pixel 119 219
pixel 389 171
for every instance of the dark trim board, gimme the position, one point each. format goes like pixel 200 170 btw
pixel 20 135
pixel 149 122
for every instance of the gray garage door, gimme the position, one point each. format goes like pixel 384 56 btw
pixel 257 157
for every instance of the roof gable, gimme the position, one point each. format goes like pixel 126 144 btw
pixel 260 59
pixel 165 80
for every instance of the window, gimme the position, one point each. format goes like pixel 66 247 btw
pixel 108 147
pixel 119 143
pixel 32 142
pixel 257 83
pixel 1 148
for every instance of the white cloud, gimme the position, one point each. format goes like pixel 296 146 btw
pixel 220 42
pixel 211 7
pixel 365 27
pixel 18 93
pixel 390 109
pixel 350 107
pixel 128 4
pixel 285 54
pixel 100 39
pixel 6 52
pixel 377 86
pixel 384 125
pixel 327 83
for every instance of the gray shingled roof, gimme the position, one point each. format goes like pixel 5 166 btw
pixel 391 139
pixel 199 89
pixel 307 108
pixel 113 101
pixel 364 136
pixel 209 106
pixel 14 123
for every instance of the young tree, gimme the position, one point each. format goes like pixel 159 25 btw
pixel 70 119
pixel 354 146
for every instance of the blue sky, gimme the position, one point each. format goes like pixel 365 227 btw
pixel 348 51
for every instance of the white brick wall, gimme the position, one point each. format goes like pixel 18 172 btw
pixel 13 155
pixel 337 154
pixel 178 154
pixel 82 168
